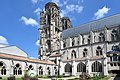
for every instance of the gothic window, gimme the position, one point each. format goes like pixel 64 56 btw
pixel 55 70
pixel 101 37
pixel 68 68
pixel 83 40
pixel 96 67
pixel 64 43
pixel 99 51
pixel 81 67
pixel 85 52
pixel 48 45
pixel 17 69
pixel 73 42
pixel 115 48
pixel 2 68
pixel 48 70
pixel 73 54
pixel 89 39
pixel 114 57
pixel 30 67
pixel 40 70
pixel 114 35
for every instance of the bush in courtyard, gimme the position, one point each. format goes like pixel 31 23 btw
pixel 11 78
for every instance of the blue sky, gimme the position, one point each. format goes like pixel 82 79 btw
pixel 19 19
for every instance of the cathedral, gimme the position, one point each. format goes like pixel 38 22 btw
pixel 92 48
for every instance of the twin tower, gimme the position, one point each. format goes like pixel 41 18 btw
pixel 51 27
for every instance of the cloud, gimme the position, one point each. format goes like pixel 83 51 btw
pixel 71 8
pixel 3 40
pixel 34 1
pixel 29 21
pixel 38 42
pixel 37 11
pixel 101 12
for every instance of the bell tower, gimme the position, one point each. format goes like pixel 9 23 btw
pixel 50 28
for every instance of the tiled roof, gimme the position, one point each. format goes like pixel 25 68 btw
pixel 55 55
pixel 8 56
pixel 96 25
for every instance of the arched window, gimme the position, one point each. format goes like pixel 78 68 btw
pixel 101 37
pixel 64 44
pixel 99 51
pixel 48 70
pixel 88 39
pixel 40 70
pixel 96 67
pixel 73 54
pixel 78 41
pixel 114 35
pixel 81 67
pixel 30 67
pixel 83 40
pixel 68 68
pixel 48 45
pixel 114 57
pixel 115 47
pixel 55 70
pixel 85 52
pixel 2 68
pixel 17 69
pixel 73 42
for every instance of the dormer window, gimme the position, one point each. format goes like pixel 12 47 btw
pixel 114 35
pixel 73 42
pixel 101 37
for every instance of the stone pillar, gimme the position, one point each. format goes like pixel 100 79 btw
pixel 92 37
pixel 88 67
pixel 106 35
pixel 74 69
pixel 80 42
pixel 105 69
pixel 62 68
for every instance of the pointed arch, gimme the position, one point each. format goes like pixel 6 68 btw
pixel 2 68
pixel 30 67
pixel 99 51
pixel 81 67
pixel 68 68
pixel 17 69
pixel 96 67
pixel 48 70
pixel 40 70
pixel 73 54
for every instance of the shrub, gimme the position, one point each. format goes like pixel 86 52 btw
pixel 11 78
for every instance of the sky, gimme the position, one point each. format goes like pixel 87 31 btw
pixel 19 19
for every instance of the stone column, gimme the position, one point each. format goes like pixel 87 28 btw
pixel 88 67
pixel 62 68
pixel 105 69
pixel 74 69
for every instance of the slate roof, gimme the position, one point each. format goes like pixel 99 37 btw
pixel 13 50
pixel 92 26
